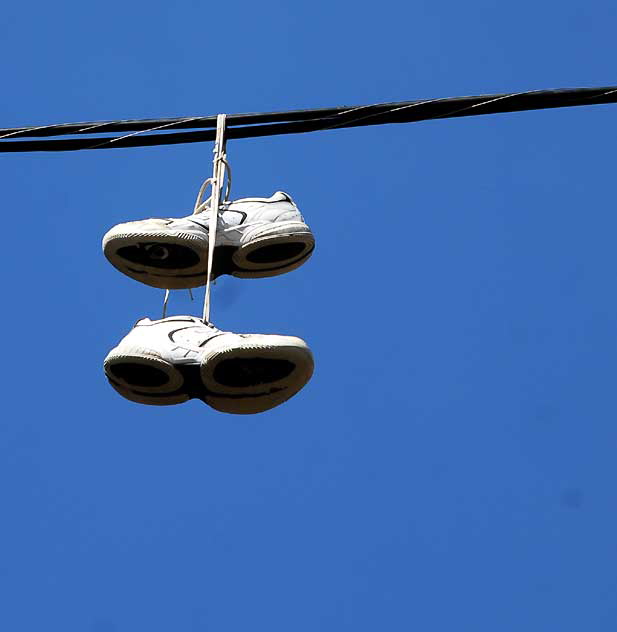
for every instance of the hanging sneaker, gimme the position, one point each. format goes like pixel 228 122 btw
pixel 178 358
pixel 255 237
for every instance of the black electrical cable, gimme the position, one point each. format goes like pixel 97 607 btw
pixel 292 122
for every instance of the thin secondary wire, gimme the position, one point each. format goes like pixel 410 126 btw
pixel 604 94
pixel 151 129
pixel 385 112
pixel 454 113
pixel 451 113
pixel 412 105
pixel 28 130
pixel 218 174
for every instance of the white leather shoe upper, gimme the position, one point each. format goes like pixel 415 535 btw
pixel 239 221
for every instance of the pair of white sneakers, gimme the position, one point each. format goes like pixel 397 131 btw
pixel 174 359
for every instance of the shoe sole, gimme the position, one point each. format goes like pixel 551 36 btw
pixel 137 256
pixel 144 378
pixel 256 377
pixel 272 255
pixel 240 380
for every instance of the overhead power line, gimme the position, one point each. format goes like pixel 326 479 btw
pixel 151 132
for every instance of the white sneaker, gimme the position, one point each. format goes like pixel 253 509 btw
pixel 255 237
pixel 177 358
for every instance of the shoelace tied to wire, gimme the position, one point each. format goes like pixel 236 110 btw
pixel 220 167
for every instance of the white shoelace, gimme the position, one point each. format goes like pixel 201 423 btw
pixel 220 168
pixel 219 164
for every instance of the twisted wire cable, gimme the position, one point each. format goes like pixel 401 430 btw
pixel 139 133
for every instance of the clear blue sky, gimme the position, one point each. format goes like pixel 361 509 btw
pixel 451 466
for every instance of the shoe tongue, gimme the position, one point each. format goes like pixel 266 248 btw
pixel 188 319
pixel 228 216
pixel 178 319
pixel 181 319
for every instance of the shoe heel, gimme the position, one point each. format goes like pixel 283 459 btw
pixel 268 255
pixel 144 377
pixel 158 259
pixel 256 377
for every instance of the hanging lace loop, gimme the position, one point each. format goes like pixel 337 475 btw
pixel 166 301
pixel 219 167
pixel 203 205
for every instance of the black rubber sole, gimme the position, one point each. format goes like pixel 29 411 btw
pixel 138 375
pixel 130 378
pixel 243 372
pixel 164 256
pixel 177 266
pixel 276 253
